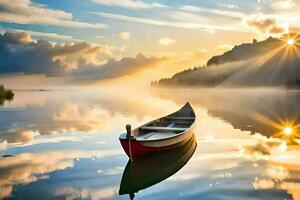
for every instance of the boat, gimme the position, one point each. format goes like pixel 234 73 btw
pixel 159 135
pixel 147 171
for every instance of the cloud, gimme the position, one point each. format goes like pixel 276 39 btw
pixel 131 4
pixel 114 68
pixel 15 38
pixel 263 149
pixel 194 24
pixel 82 60
pixel 226 13
pixel 71 193
pixel 283 4
pixel 17 137
pixel 277 173
pixel 262 184
pixel 124 35
pixel 112 171
pixel 166 41
pixel 19 54
pixel 279 4
pixel 45 34
pixel 99 36
pixel 293 188
pixel 27 12
pixel 264 24
pixel 229 6
pixel 3 145
pixel 158 5
pixel 124 3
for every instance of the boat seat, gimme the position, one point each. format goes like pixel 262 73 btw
pixel 148 135
pixel 154 136
pixel 171 125
pixel 182 118
pixel 163 128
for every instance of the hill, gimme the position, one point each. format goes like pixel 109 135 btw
pixel 246 51
pixel 272 62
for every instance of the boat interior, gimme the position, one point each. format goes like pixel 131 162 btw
pixel 168 126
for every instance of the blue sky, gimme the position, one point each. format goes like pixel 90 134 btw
pixel 84 11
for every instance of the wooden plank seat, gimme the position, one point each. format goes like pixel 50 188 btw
pixel 168 122
pixel 154 135
pixel 181 118
pixel 171 125
pixel 162 128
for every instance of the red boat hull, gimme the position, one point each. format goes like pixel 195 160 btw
pixel 137 149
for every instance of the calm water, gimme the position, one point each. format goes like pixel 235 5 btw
pixel 64 144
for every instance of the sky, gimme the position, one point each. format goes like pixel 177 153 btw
pixel 111 41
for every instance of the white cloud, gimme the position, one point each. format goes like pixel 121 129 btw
pixel 166 41
pixel 283 4
pixel 175 24
pixel 99 37
pixel 71 193
pixel 123 3
pixel 226 13
pixel 3 145
pixel 132 4
pixel 44 34
pixel 158 5
pixel 124 35
pixel 27 12
pixel 229 6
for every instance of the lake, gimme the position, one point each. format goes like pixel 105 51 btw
pixel 63 144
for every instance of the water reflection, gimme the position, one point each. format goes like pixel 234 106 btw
pixel 268 112
pixel 68 148
pixel 271 117
pixel 33 114
pixel 144 172
pixel 26 168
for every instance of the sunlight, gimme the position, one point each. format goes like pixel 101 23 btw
pixel 282 147
pixel 291 42
pixel 288 131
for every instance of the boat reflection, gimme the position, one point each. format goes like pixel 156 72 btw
pixel 144 172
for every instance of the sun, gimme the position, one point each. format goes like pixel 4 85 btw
pixel 288 131
pixel 291 42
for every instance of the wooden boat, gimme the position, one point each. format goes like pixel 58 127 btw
pixel 150 170
pixel 161 134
